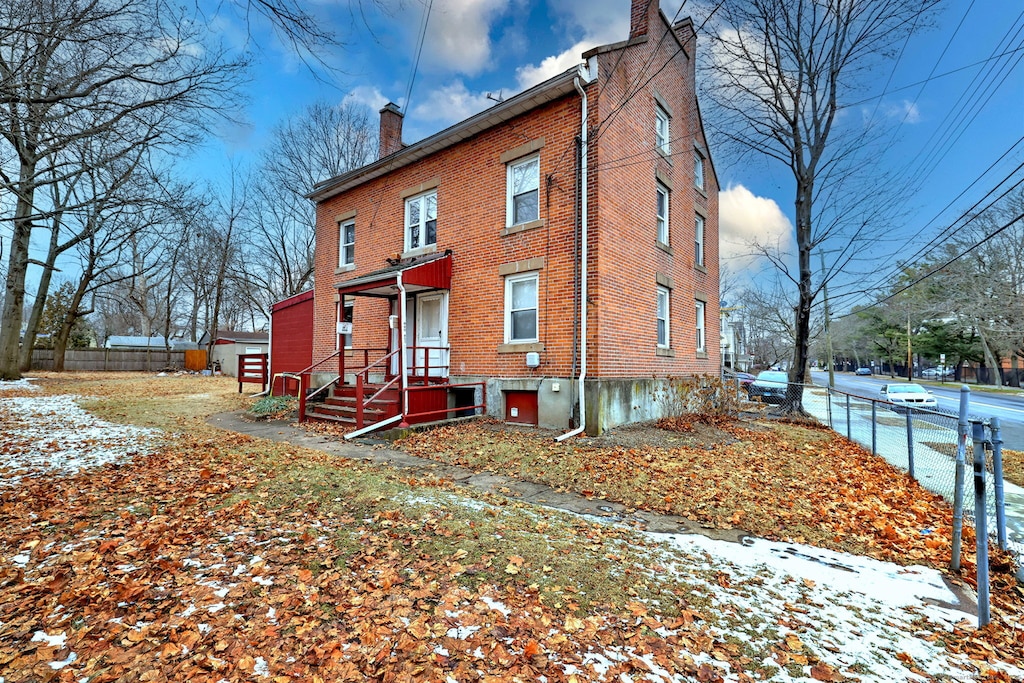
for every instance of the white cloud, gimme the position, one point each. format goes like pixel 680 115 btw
pixel 367 95
pixel 459 35
pixel 532 74
pixel 905 111
pixel 450 103
pixel 746 221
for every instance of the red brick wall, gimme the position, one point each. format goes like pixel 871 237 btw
pixel 628 164
pixel 624 259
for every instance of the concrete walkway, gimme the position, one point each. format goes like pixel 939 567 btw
pixel 527 492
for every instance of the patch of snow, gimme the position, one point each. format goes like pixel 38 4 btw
pixel 495 605
pixel 261 668
pixel 21 560
pixel 263 581
pixel 13 384
pixel 57 666
pixel 272 615
pixel 462 632
pixel 51 641
pixel 204 628
pixel 212 609
pixel 52 434
pixel 189 611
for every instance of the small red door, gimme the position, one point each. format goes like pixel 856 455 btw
pixel 521 407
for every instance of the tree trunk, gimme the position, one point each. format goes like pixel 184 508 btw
pixel 802 326
pixel 17 269
pixel 990 360
pixel 74 312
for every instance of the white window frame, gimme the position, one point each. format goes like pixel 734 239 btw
pixel 423 200
pixel 346 250
pixel 510 217
pixel 698 170
pixel 510 281
pixel 698 240
pixel 664 295
pixel 662 221
pixel 700 327
pixel 662 129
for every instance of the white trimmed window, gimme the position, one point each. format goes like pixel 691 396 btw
pixel 523 191
pixel 661 129
pixel 346 243
pixel 663 317
pixel 701 344
pixel 698 240
pixel 698 170
pixel 521 308
pixel 421 220
pixel 662 212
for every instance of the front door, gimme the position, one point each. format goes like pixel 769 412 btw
pixel 427 335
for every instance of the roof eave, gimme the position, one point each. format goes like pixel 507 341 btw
pixel 540 94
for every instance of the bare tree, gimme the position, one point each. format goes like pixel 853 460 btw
pixel 71 70
pixel 779 73
pixel 323 141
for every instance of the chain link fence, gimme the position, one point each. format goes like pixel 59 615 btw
pixel 921 442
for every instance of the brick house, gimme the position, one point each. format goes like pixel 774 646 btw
pixel 470 241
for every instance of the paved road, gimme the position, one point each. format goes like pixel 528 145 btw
pixel 1009 408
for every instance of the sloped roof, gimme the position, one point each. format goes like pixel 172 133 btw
pixel 231 335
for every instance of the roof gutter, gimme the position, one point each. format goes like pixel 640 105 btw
pixel 584 74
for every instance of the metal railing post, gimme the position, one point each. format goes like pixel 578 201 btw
pixel 980 522
pixel 303 386
pixel 910 441
pixel 874 428
pixel 997 476
pixel 849 431
pixel 961 464
pixel 359 400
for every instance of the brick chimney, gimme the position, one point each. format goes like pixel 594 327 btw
pixel 390 130
pixel 640 17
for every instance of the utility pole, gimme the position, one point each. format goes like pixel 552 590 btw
pixel 828 329
pixel 910 355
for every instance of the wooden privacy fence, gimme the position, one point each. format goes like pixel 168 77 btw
pixel 141 360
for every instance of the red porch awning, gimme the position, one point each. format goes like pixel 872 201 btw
pixel 420 273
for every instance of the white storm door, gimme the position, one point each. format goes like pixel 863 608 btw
pixel 430 355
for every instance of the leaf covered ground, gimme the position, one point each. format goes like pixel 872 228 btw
pixel 157 548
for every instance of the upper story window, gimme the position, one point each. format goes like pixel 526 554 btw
pixel 701 344
pixel 521 308
pixel 346 243
pixel 698 240
pixel 662 193
pixel 421 220
pixel 661 129
pixel 524 191
pixel 698 170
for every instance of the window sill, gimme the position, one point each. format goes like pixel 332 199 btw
pixel 702 354
pixel 702 268
pixel 665 353
pixel 701 191
pixel 665 248
pixel 522 227
pixel 420 251
pixel 666 156
pixel 347 268
pixel 521 347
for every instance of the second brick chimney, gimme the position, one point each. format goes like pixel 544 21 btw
pixel 640 16
pixel 390 130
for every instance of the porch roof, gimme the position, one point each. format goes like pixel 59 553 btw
pixel 419 273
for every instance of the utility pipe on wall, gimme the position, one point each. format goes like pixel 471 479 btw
pixel 584 150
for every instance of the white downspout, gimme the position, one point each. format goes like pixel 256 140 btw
pixel 403 345
pixel 583 259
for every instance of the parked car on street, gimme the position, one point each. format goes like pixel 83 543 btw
pixel 769 387
pixel 937 373
pixel 902 396
pixel 863 371
pixel 745 378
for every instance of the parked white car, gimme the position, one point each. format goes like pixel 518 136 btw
pixel 908 395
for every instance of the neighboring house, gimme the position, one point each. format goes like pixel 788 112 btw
pixel 117 342
pixel 470 242
pixel 734 341
pixel 228 345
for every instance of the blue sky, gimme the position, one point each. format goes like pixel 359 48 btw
pixel 476 47
pixel 950 129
